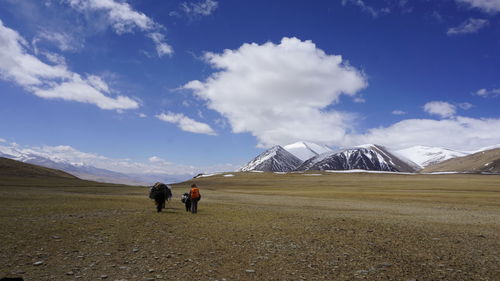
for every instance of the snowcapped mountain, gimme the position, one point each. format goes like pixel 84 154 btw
pixel 82 171
pixel 306 150
pixel 425 155
pixel 275 159
pixel 365 157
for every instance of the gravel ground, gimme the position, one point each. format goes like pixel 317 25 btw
pixel 57 235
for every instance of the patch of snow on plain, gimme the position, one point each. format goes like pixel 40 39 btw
pixel 366 171
pixel 208 175
pixel 229 175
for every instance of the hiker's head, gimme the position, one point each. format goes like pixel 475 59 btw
pixel 193 185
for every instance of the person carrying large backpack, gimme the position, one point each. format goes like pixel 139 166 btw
pixel 160 192
pixel 195 196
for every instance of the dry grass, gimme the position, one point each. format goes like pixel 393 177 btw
pixel 283 227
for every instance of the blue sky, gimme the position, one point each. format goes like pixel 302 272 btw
pixel 205 83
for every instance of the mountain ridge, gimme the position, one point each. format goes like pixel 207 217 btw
pixel 365 157
pixel 275 159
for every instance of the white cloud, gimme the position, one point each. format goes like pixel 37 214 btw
pixel 52 81
pixel 3 140
pixel 469 26
pixel 202 8
pixel 82 90
pixel 489 6
pixel 488 93
pixel 398 112
pixel 460 133
pixel 279 92
pixel 186 124
pixel 124 19
pixel 142 115
pixel 441 108
pixel 374 12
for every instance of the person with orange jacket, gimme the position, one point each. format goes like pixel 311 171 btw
pixel 194 196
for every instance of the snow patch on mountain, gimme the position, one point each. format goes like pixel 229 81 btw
pixel 306 150
pixel 425 155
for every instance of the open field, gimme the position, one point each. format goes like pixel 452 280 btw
pixel 256 226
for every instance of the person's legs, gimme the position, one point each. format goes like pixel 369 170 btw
pixel 158 206
pixel 194 206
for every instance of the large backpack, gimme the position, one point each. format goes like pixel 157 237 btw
pixel 195 193
pixel 157 190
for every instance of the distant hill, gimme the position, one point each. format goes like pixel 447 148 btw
pixel 485 161
pixel 87 172
pixel 13 168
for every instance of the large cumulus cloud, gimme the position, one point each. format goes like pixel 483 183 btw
pixel 280 92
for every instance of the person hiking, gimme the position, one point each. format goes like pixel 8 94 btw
pixel 187 202
pixel 195 196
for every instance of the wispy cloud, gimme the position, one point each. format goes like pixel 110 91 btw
pixel 162 48
pixel 374 12
pixel 485 93
pixel 63 41
pixel 52 80
pixel 398 112
pixel 124 19
pixel 198 9
pixel 186 124
pixel 489 6
pixel 471 25
pixel 465 105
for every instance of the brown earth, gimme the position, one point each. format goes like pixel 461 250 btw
pixel 256 227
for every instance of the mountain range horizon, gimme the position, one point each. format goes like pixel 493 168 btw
pixel 297 156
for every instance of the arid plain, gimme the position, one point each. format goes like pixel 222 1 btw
pixel 255 226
